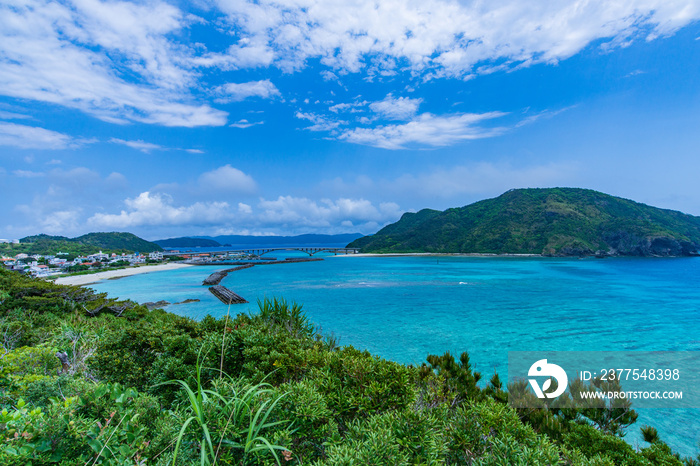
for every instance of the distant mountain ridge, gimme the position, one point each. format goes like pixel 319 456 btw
pixel 548 221
pixel 208 241
pixel 187 242
pixel 89 243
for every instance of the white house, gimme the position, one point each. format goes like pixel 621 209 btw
pixel 98 257
pixel 156 256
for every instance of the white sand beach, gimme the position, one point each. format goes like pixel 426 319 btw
pixel 80 280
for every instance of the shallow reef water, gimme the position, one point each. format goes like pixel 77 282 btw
pixel 403 308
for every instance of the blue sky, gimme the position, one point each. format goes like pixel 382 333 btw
pixel 298 116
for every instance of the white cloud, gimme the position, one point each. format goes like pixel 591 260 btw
pixel 60 199
pixel 149 209
pixel 634 73
pixel 244 208
pixel 12 116
pixel 143 146
pixel 285 214
pixel 75 55
pixel 227 179
pixel 124 61
pixel 425 130
pixel 30 137
pixel 351 107
pixel 391 108
pixel 194 151
pixel 60 221
pixel 320 122
pixel 296 213
pixel 329 76
pixel 442 37
pixel 541 115
pixel 242 124
pixel 235 92
pixel 28 174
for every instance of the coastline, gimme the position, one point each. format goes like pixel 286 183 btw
pixel 436 254
pixel 82 280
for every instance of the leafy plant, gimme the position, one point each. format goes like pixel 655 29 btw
pixel 460 381
pixel 278 313
pixel 245 422
pixel 20 432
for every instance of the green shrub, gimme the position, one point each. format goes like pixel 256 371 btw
pixel 660 454
pixel 459 382
pixel 310 418
pixel 24 367
pixel 20 430
pixel 492 433
pixel 367 442
pixel 355 383
pixel 592 442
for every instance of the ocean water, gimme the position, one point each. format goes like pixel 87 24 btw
pixel 404 308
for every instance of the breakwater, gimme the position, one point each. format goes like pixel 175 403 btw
pixel 229 297
pixel 216 277
pixel 289 260
pixel 226 296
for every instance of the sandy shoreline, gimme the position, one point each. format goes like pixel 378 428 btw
pixel 80 280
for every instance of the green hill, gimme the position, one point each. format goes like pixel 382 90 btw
pixel 86 244
pixel 552 221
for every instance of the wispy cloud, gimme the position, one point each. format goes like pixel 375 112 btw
pixel 242 124
pixel 75 56
pixel 31 137
pixel 12 116
pixel 235 92
pixel 28 174
pixel 320 122
pixel 426 130
pixel 541 115
pixel 143 146
pixel 634 73
pixel 124 61
pixel 352 107
pixel 442 38
pixel 298 212
pixel 392 108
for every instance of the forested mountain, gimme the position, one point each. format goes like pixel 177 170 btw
pixel 86 244
pixel 552 221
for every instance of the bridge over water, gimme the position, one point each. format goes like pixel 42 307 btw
pixel 259 252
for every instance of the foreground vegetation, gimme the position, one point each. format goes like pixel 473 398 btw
pixel 133 387
pixel 552 221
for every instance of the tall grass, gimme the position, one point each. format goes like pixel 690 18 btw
pixel 237 402
pixel 277 312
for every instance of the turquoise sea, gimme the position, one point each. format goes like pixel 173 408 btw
pixel 403 308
